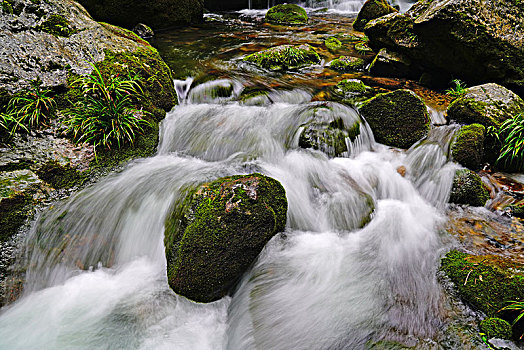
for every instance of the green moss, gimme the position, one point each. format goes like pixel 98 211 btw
pixel 61 176
pixel 487 282
pixel 216 234
pixel 347 64
pixel 468 189
pixel 352 86
pixel 399 118
pixel 285 57
pixel 13 213
pixel 370 10
pixel 56 25
pixel 496 328
pixel 286 14
pixel 7 7
pixel 468 146
pixel 333 44
pixel 469 110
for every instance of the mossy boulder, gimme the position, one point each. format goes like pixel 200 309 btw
pixel 286 14
pixel 391 64
pixel 495 327
pixel 333 44
pixel 465 39
pixel 347 64
pixel 157 14
pixel 488 104
pixel 370 10
pixel 352 91
pixel 327 131
pixel 467 148
pixel 399 118
pixel 468 189
pixel 285 57
pixel 486 282
pixel 219 231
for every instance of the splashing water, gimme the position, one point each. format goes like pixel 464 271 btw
pixel 338 278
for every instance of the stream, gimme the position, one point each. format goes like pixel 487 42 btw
pixel 96 268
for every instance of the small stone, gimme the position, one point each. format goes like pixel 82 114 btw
pixel 143 31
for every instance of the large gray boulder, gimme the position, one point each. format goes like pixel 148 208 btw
pixel 475 40
pixel 219 231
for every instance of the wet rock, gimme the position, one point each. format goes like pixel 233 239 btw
pixel 473 40
pixel 398 118
pixel 143 31
pixel 352 91
pixel 333 44
pixel 370 10
pixel 468 189
pixel 158 13
pixel 286 14
pixel 488 104
pixel 327 132
pixel 390 64
pixel 285 57
pixel 467 148
pixel 347 64
pixel 487 282
pixel 496 328
pixel 219 231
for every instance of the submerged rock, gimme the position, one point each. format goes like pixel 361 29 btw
pixel 468 189
pixel 399 118
pixel 370 10
pixel 347 64
pixel 474 40
pixel 285 57
pixel 467 148
pixel 155 13
pixel 220 230
pixel 286 14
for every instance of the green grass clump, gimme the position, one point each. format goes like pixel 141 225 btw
pixel 458 89
pixel 511 137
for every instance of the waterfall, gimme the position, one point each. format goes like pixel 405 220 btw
pixel 96 265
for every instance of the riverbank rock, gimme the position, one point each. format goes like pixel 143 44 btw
pixel 474 40
pixel 285 57
pixel 219 232
pixel 488 104
pixel 468 189
pixel 392 64
pixel 370 10
pixel 157 14
pixel 287 14
pixel 399 118
pixel 487 282
pixel 467 148
pixel 347 64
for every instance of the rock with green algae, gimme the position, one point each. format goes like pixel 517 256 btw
pixel 157 14
pixel 285 57
pixel 468 189
pixel 488 104
pixel 353 91
pixel 347 64
pixel 286 14
pixel 486 282
pixel 370 10
pixel 399 118
pixel 219 231
pixel 465 39
pixel 333 44
pixel 495 327
pixel 467 148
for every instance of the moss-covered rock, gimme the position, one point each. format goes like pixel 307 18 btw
pixel 391 64
pixel 352 91
pixel 155 13
pixel 347 64
pixel 457 38
pixel 467 148
pixel 370 10
pixel 219 231
pixel 333 44
pixel 495 327
pixel 468 189
pixel 488 104
pixel 487 282
pixel 285 57
pixel 399 118
pixel 56 25
pixel 286 14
